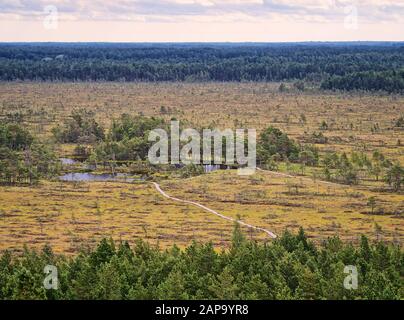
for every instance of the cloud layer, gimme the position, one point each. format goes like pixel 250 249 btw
pixel 202 20
pixel 204 10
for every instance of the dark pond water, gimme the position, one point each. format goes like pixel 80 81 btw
pixel 86 176
pixel 110 177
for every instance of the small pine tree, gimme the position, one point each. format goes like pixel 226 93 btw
pixel 372 203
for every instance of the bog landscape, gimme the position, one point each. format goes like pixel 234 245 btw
pixel 76 185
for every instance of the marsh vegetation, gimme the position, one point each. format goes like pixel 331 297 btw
pixel 328 154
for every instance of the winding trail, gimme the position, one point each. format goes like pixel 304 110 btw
pixel 269 233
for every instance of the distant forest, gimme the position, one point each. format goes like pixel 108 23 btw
pixel 332 66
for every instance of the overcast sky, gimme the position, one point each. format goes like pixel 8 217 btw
pixel 201 20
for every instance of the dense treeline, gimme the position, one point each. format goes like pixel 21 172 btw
pixel 23 159
pixel 200 62
pixel 288 268
pixel 390 81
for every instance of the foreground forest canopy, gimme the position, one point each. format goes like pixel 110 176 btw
pixel 336 66
pixel 289 268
